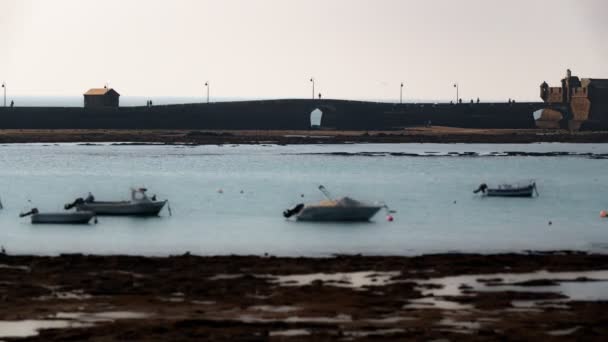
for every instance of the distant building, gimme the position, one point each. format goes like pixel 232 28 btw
pixel 101 98
pixel 574 103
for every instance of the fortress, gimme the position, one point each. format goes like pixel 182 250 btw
pixel 577 104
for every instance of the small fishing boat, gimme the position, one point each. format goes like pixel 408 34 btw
pixel 342 209
pixel 139 205
pixel 77 217
pixel 508 190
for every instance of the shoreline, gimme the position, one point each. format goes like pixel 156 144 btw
pixel 217 298
pixel 445 135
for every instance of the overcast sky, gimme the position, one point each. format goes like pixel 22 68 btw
pixel 355 49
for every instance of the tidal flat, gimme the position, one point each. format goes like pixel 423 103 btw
pixel 527 296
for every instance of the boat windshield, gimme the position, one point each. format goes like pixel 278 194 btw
pixel 139 195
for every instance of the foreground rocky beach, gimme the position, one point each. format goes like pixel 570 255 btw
pixel 433 134
pixel 447 297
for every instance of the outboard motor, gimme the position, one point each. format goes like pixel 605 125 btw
pixel 78 201
pixel 31 212
pixel 482 188
pixel 293 211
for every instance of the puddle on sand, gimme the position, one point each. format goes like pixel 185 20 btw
pixel 92 317
pixel 541 304
pixel 16 267
pixel 63 320
pixel 29 328
pixel 341 318
pixel 171 299
pixel 127 273
pixel 388 320
pixel 66 295
pixel 380 332
pixel 468 325
pixel 459 327
pixel 290 333
pixel 226 276
pixel 274 309
pixel 355 280
pixel 564 332
pixel 586 285
pixel 436 303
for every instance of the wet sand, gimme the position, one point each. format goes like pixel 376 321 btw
pixel 249 298
pixel 205 137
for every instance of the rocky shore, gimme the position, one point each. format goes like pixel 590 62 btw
pixel 202 137
pixel 528 296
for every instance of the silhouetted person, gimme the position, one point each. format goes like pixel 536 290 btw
pixel 478 100
pixel 90 198
pixel 12 103
pixel 471 101
pixel 460 101
pixel 319 96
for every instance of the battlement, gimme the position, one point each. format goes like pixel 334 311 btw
pixel 579 101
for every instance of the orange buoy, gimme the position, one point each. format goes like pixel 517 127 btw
pixel 603 213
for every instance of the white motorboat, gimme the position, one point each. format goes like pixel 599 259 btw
pixel 77 217
pixel 139 205
pixel 342 209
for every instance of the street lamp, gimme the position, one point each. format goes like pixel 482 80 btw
pixel 207 85
pixel 313 87
pixel 401 94
pixel 457 88
pixel 4 88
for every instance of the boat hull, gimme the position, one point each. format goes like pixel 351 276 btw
pixel 337 214
pixel 515 192
pixel 123 208
pixel 80 217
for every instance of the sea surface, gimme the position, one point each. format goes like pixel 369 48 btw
pixel 429 185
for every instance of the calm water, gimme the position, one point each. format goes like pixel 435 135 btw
pixel 437 211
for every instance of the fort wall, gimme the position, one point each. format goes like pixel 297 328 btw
pixel 274 114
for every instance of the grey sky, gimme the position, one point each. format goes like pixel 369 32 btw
pixel 356 49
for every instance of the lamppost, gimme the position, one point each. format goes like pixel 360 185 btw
pixel 4 88
pixel 207 85
pixel 457 88
pixel 401 94
pixel 313 87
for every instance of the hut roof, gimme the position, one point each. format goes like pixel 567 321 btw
pixel 100 91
